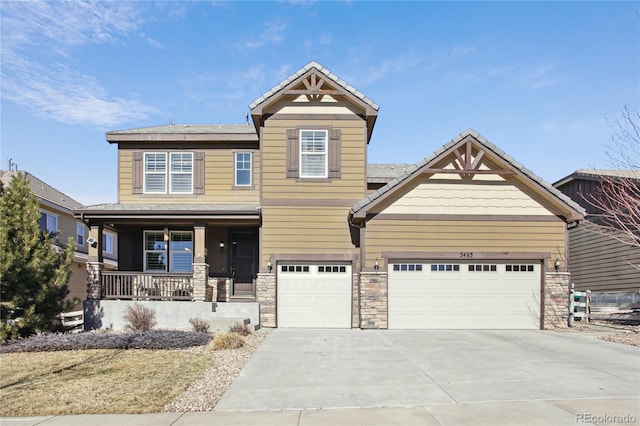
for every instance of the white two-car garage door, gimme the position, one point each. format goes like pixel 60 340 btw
pixel 457 295
pixel 314 295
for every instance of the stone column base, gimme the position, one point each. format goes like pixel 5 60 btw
pixel 266 296
pixel 94 280
pixel 556 300
pixel 373 300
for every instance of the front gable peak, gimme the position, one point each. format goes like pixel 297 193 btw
pixel 315 83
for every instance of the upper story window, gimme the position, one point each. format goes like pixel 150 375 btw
pixel 313 153
pixel 243 169
pixel 177 174
pixel 48 222
pixel 80 234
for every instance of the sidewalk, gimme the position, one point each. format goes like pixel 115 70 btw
pixel 535 412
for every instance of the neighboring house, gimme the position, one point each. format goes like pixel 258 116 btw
pixel 599 261
pixel 287 214
pixel 56 215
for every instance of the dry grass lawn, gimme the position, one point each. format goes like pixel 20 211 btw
pixel 95 381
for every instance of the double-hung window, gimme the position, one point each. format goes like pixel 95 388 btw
pixel 48 222
pixel 313 153
pixel 107 242
pixel 80 234
pixel 173 170
pixel 243 169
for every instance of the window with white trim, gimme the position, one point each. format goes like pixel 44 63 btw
pixel 445 267
pixel 173 255
pixel 519 268
pixel 407 267
pixel 48 222
pixel 176 176
pixel 313 153
pixel 243 169
pixel 107 242
pixel 80 234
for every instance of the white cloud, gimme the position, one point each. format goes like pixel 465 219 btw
pixel 272 34
pixel 38 72
pixel 402 62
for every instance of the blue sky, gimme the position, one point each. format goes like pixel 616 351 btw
pixel 542 80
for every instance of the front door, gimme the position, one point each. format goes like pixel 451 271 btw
pixel 243 261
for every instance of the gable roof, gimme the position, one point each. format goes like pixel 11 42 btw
pixel 574 210
pixel 45 192
pixel 313 70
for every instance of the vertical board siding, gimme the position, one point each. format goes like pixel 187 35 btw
pixel 463 236
pixel 601 263
pixel 217 187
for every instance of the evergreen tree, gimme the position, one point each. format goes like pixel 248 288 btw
pixel 34 269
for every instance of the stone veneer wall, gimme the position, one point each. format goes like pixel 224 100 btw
pixel 355 301
pixel 200 281
pixel 373 300
pixel 556 300
pixel 94 280
pixel 266 296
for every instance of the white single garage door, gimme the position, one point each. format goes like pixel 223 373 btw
pixel 456 295
pixel 314 295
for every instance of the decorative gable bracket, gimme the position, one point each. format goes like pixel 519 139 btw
pixel 313 88
pixel 466 164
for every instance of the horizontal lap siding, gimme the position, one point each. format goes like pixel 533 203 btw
pixel 463 236
pixel 315 219
pixel 600 263
pixel 219 180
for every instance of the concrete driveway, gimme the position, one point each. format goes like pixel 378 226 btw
pixel 302 369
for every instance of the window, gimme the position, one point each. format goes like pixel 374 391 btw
pixel 332 268
pixel 107 242
pixel 48 222
pixel 483 268
pixel 79 234
pixel 243 169
pixel 294 268
pixel 176 256
pixel 519 268
pixel 179 173
pixel 445 267
pixel 313 153
pixel 407 267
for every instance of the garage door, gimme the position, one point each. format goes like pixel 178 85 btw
pixel 314 295
pixel 455 295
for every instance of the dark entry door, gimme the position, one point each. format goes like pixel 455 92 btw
pixel 243 261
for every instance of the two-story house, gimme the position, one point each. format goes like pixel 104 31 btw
pixel 56 216
pixel 285 213
pixel 600 261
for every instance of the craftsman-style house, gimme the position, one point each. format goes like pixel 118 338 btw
pixel 284 216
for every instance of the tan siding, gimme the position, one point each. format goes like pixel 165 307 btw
pixel 601 263
pixel 478 197
pixel 78 283
pixel 219 181
pixel 463 236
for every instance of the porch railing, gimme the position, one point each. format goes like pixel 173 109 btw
pixel 145 286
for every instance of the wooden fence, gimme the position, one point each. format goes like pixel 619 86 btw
pixel 579 305
pixel 73 321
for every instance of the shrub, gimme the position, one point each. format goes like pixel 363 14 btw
pixel 227 341
pixel 199 324
pixel 240 329
pixel 153 339
pixel 139 318
pixel 8 331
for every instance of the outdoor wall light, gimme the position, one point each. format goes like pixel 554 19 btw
pixel 221 245
pixel 557 265
pixel 269 265
pixel 376 265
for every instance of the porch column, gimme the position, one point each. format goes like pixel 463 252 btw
pixel 95 264
pixel 200 267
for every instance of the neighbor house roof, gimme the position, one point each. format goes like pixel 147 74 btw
pixel 186 132
pixel 597 174
pixel 331 76
pixel 405 175
pixel 42 190
pixel 383 173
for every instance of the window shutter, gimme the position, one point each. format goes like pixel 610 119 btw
pixel 138 171
pixel 293 154
pixel 198 172
pixel 335 150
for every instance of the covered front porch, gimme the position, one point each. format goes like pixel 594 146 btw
pixel 174 252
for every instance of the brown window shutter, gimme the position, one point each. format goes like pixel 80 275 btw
pixel 293 154
pixel 198 172
pixel 335 150
pixel 138 171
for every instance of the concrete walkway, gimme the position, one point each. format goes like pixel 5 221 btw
pixel 544 413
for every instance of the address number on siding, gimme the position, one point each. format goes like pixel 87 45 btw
pixel 466 254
